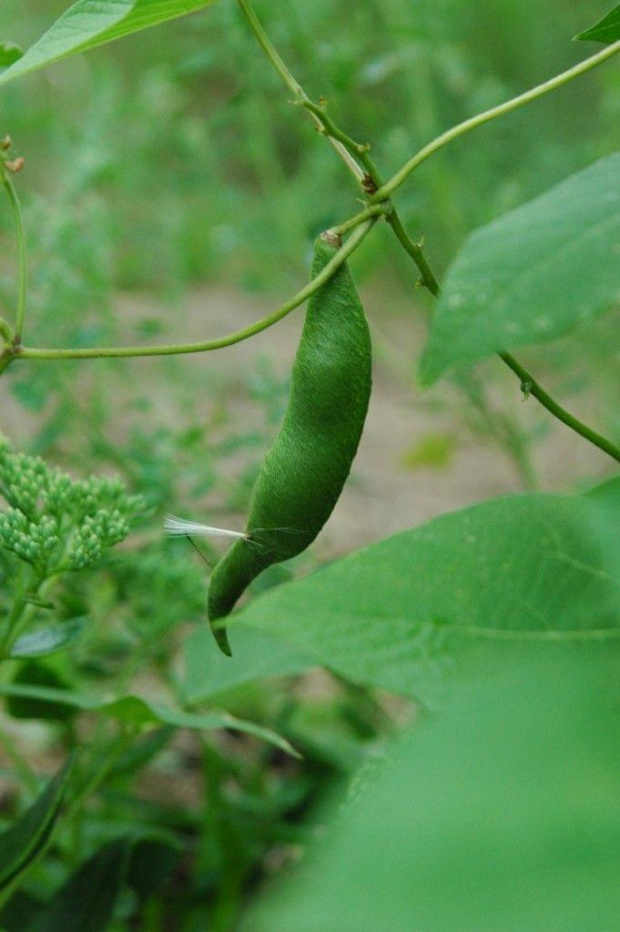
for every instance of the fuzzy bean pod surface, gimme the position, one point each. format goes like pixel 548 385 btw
pixel 305 470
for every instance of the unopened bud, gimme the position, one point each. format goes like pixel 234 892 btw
pixel 16 165
pixel 6 143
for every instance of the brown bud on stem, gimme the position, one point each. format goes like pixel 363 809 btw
pixel 16 165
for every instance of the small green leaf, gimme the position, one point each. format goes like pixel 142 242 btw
pixel 85 903
pixel 28 836
pixel 45 641
pixel 89 23
pixel 401 614
pixel 137 712
pixel 499 815
pixel 533 275
pixel 607 29
pixel 132 710
pixel 9 53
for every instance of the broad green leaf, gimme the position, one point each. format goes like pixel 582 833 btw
pixel 399 614
pixel 28 836
pixel 533 275
pixel 502 814
pixel 49 640
pixel 85 903
pixel 89 23
pixel 257 655
pixel 607 30
pixel 9 53
pixel 138 712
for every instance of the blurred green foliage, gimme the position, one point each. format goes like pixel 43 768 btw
pixel 175 150
pixel 174 159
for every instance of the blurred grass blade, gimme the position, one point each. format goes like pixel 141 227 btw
pixel 607 30
pixel 89 23
pixel 27 837
pixel 86 901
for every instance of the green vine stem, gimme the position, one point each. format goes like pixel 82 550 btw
pixel 530 386
pixel 380 192
pixel 487 115
pixel 362 227
pixel 368 213
pixel 299 95
pixel 22 280
pixel 6 331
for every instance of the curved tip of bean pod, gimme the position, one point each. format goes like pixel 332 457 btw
pixel 221 638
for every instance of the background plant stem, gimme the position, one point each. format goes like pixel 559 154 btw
pixel 22 279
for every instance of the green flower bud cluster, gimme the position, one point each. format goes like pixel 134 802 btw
pixel 103 529
pixel 54 522
pixel 32 542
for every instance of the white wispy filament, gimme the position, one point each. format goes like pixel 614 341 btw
pixel 179 527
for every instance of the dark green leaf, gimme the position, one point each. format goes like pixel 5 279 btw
pixel 20 912
pixel 152 862
pixel 27 837
pixel 9 53
pixel 89 23
pixel 45 641
pixel 86 901
pixel 607 30
pixel 401 613
pixel 500 814
pixel 531 276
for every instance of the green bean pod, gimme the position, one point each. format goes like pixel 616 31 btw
pixel 305 470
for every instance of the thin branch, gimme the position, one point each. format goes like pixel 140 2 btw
pixel 530 386
pixel 293 85
pixel 22 279
pixel 473 122
pixel 374 210
pixel 26 352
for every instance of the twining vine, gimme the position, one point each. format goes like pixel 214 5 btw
pixel 378 192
